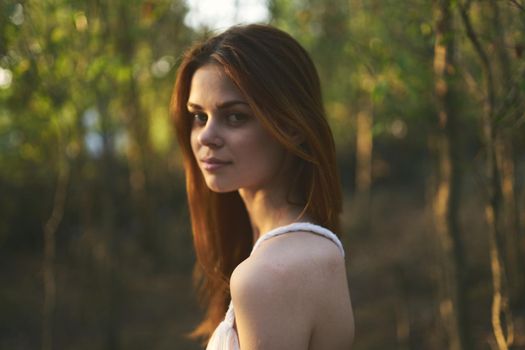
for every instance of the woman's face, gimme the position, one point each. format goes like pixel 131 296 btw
pixel 230 145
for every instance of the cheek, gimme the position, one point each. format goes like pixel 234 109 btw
pixel 194 143
pixel 262 152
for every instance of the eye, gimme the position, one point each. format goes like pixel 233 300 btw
pixel 236 118
pixel 200 118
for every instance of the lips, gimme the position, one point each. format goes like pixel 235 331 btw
pixel 212 163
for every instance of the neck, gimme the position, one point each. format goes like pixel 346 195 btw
pixel 269 210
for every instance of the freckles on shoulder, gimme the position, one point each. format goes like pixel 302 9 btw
pixel 262 282
pixel 297 265
pixel 270 310
pixel 252 276
pixel 273 279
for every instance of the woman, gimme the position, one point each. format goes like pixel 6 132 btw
pixel 260 163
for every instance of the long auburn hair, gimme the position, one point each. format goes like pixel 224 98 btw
pixel 280 83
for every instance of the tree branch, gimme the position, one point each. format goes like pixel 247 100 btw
pixel 473 37
pixel 518 5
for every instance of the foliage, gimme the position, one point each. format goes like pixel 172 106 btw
pixel 85 89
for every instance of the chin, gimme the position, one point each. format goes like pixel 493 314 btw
pixel 220 188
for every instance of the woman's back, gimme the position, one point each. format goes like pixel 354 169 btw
pixel 292 291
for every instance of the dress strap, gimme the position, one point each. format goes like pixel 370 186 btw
pixel 300 226
pixel 229 318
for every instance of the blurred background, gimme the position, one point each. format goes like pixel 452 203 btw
pixel 426 100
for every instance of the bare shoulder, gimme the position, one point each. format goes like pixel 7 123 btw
pixel 287 262
pixel 278 291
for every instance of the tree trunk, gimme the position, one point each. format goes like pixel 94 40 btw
pixel 454 307
pixel 493 206
pixel 50 229
pixel 364 153
pixel 139 152
pixel 363 176
pixel 510 96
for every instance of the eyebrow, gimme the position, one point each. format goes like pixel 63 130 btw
pixel 222 105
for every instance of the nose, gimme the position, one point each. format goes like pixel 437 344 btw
pixel 210 134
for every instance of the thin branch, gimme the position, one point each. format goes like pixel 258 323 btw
pixel 485 62
pixel 517 4
pixel 50 228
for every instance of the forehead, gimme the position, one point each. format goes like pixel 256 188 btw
pixel 210 85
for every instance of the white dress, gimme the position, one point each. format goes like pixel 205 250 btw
pixel 225 336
